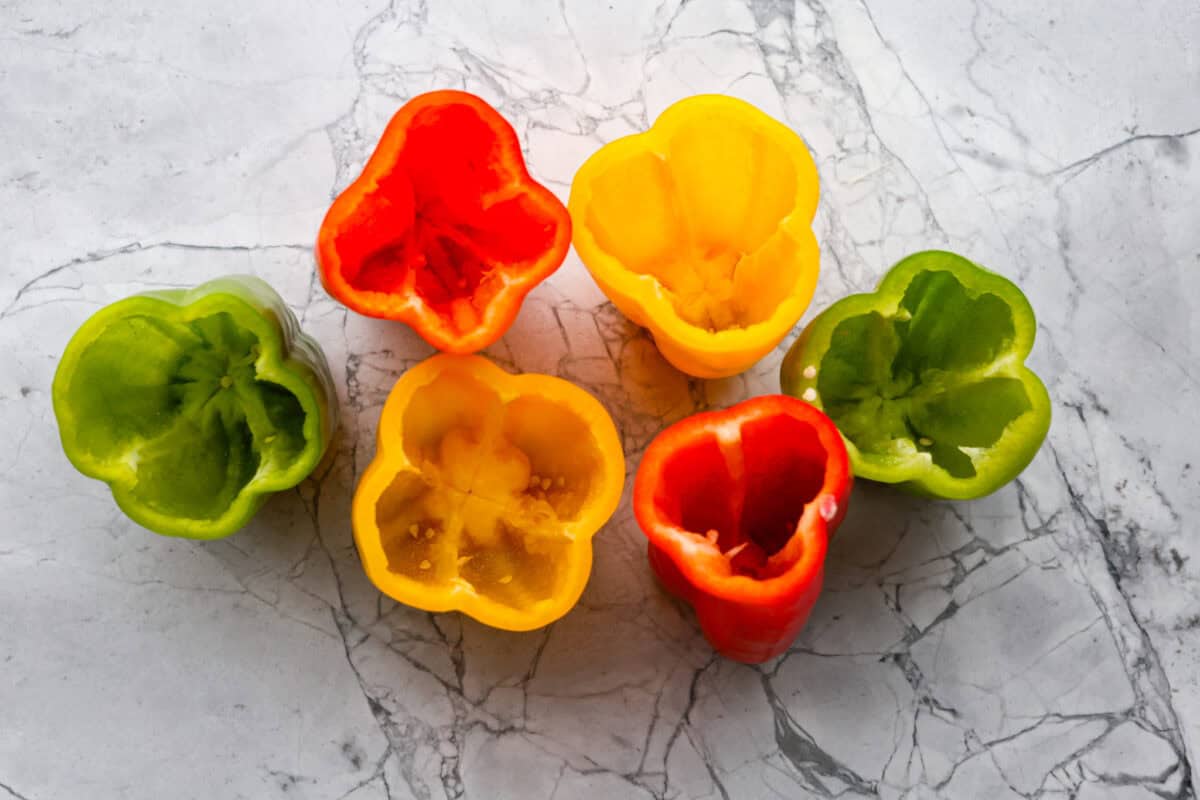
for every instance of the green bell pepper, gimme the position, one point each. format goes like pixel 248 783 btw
pixel 926 377
pixel 195 405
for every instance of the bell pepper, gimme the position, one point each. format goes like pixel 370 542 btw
pixel 738 506
pixel 700 229
pixel 444 229
pixel 926 377
pixel 195 405
pixel 485 492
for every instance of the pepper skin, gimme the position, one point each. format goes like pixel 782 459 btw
pixel 700 229
pixel 738 506
pixel 444 230
pixel 926 377
pixel 485 492
pixel 194 406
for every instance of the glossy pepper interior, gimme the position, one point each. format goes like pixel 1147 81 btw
pixel 926 378
pixel 444 229
pixel 749 495
pixel 486 491
pixel 737 506
pixel 700 229
pixel 192 406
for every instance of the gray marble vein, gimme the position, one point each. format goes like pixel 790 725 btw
pixel 1039 643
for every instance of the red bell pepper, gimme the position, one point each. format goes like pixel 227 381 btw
pixel 738 506
pixel 444 230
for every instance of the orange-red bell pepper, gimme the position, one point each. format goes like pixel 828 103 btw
pixel 738 506
pixel 485 492
pixel 444 230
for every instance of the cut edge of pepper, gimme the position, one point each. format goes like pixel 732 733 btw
pixel 698 556
pixel 215 296
pixel 501 311
pixel 646 292
pixel 461 596
pixel 1003 462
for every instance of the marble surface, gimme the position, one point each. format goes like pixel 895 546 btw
pixel 1042 642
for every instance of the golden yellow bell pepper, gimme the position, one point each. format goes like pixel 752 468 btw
pixel 485 492
pixel 700 229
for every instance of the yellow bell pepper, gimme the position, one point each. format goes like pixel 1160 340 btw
pixel 485 492
pixel 700 229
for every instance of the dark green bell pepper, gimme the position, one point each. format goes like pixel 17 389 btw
pixel 195 405
pixel 926 377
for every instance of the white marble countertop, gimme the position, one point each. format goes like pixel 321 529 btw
pixel 1043 642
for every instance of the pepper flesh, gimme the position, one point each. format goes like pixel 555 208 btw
pixel 700 229
pixel 196 405
pixel 485 492
pixel 444 229
pixel 926 377
pixel 738 506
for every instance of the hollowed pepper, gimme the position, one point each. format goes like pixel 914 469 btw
pixel 444 229
pixel 195 405
pixel 738 506
pixel 700 229
pixel 926 377
pixel 485 492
